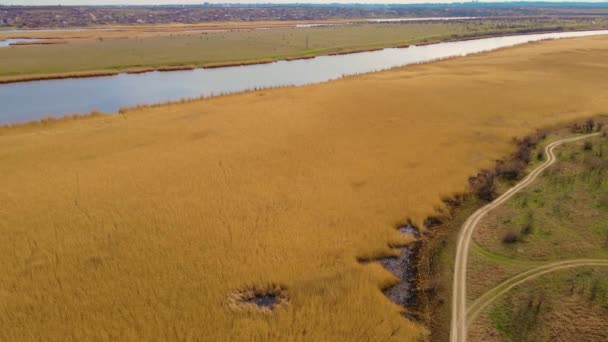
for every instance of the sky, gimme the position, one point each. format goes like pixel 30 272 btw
pixel 163 2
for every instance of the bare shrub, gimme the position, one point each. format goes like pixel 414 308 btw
pixel 523 153
pixel 589 125
pixel 527 144
pixel 585 127
pixel 483 185
pixel 540 155
pixel 510 238
pixel 511 170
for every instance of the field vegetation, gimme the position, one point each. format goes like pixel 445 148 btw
pixel 120 49
pixel 569 305
pixel 147 224
pixel 561 216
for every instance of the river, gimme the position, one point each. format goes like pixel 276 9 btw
pixel 28 101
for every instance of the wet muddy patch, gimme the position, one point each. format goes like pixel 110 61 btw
pixel 264 300
pixel 404 267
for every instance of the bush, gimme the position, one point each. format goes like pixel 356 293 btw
pixel 509 238
pixel 589 125
pixel 523 153
pixel 525 146
pixel 483 185
pixel 540 155
pixel 511 170
pixel 585 127
pixel 587 146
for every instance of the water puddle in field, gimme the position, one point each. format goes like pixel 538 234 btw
pixel 26 101
pixel 404 267
pixel 265 300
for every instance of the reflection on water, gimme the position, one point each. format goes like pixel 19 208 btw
pixel 7 42
pixel 32 100
pixel 392 20
pixel 51 30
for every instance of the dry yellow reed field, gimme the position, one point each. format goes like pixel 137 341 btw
pixel 153 223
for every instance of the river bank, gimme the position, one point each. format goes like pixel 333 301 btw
pixel 56 98
pixel 269 58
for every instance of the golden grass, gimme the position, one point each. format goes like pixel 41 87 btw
pixel 144 225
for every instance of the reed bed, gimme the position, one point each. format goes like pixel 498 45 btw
pixel 145 225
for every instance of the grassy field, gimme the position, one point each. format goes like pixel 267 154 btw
pixel 563 306
pixel 144 225
pixel 568 209
pixel 561 216
pixel 100 52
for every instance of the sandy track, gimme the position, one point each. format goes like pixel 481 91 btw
pixel 458 330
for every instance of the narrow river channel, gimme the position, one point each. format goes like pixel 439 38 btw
pixel 25 101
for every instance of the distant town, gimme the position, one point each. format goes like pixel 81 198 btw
pixel 78 16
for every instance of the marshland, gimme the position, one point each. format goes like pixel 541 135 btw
pixel 58 98
pixel 247 216
pixel 132 48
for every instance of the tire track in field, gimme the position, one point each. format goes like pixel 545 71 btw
pixel 458 329
pixel 490 296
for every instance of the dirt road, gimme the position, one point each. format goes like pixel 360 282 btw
pixel 487 298
pixel 458 331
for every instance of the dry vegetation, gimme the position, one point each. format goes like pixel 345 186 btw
pixel 143 225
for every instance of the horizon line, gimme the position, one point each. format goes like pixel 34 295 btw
pixel 317 3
